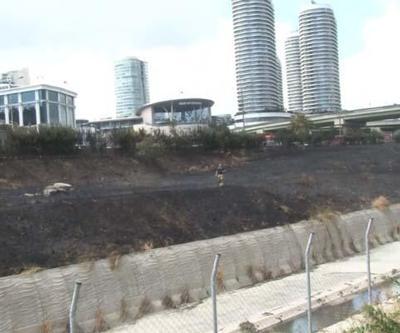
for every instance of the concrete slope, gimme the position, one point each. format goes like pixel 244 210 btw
pixel 133 286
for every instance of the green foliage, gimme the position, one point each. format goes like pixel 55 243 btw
pixel 125 140
pixel 300 127
pixel 151 147
pixel 378 322
pixel 396 136
pixel 42 140
pixel 97 142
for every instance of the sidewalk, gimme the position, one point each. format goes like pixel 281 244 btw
pixel 268 298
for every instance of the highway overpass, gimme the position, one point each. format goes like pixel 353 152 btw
pixel 353 118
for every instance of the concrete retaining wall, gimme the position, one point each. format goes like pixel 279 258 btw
pixel 131 286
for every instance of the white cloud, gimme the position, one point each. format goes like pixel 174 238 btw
pixel 370 77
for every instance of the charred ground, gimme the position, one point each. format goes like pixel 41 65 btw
pixel 121 204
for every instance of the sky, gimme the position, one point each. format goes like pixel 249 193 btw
pixel 188 45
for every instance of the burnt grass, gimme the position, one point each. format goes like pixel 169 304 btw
pixel 104 216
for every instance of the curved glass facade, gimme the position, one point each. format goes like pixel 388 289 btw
pixel 30 106
pixel 293 73
pixel 319 60
pixel 258 73
pixel 131 86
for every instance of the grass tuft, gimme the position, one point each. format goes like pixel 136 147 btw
pixel 381 203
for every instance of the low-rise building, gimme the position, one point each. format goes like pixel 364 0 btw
pixel 36 105
pixel 181 114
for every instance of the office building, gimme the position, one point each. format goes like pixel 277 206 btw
pixel 258 77
pixel 15 78
pixel 131 86
pixel 293 73
pixel 37 105
pixel 319 59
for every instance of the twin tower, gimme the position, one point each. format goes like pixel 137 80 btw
pixel 312 60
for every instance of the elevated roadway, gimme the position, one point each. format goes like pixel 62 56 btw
pixel 358 117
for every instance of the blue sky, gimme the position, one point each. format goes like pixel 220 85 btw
pixel 188 44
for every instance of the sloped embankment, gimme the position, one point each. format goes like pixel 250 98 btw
pixel 131 286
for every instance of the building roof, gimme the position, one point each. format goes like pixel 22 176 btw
pixel 168 102
pixel 36 87
pixel 313 6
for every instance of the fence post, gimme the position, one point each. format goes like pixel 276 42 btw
pixel 367 233
pixel 307 259
pixel 214 291
pixel 72 310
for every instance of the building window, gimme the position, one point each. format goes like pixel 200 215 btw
pixel 14 115
pixel 53 96
pixel 70 100
pixel 1 100
pixel 13 99
pixel 63 115
pixel 43 112
pixel 2 115
pixel 42 94
pixel 70 116
pixel 28 96
pixel 63 98
pixel 29 114
pixel 53 111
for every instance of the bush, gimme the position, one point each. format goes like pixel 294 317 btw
pixel 97 143
pixel 151 148
pixel 125 140
pixel 42 140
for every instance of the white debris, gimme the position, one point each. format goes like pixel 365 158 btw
pixel 57 188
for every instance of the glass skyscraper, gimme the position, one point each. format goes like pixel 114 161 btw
pixel 131 86
pixel 319 59
pixel 258 72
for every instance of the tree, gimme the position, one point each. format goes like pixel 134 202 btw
pixel 300 127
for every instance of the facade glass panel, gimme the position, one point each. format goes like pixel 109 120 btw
pixel 43 113
pixel 63 115
pixel 1 100
pixel 63 98
pixel 70 116
pixel 2 115
pixel 53 96
pixel 43 94
pixel 13 99
pixel 28 96
pixel 14 115
pixel 29 115
pixel 53 111
pixel 70 100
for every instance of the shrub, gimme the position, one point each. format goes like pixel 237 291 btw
pixel 42 140
pixel 151 147
pixel 374 137
pixel 97 143
pixel 124 139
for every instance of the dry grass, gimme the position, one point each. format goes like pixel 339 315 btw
pixel 148 245
pixel 185 296
pixel 220 280
pixel 124 314
pixel 381 203
pixel 257 274
pixel 29 270
pixel 247 327
pixel 168 303
pixel 145 308
pixel 324 214
pixel 46 327
pixel 114 260
pixel 100 323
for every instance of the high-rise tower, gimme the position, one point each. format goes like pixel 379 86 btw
pixel 131 86
pixel 257 69
pixel 319 59
pixel 293 73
